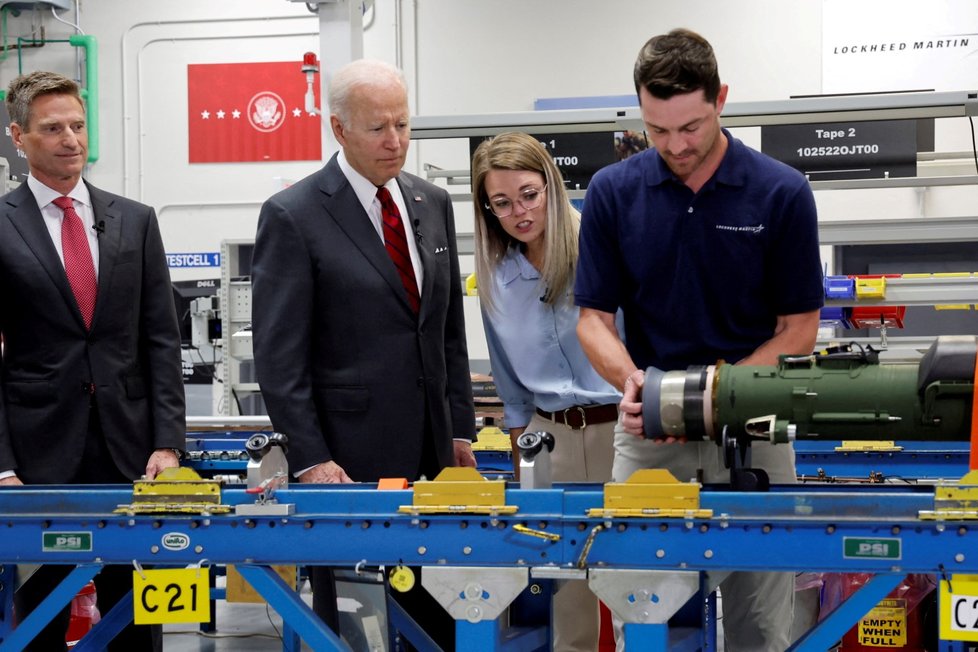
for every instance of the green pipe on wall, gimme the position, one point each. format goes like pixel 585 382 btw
pixel 90 92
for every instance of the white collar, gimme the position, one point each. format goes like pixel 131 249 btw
pixel 45 195
pixel 365 190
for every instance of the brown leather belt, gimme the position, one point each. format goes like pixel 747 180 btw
pixel 579 416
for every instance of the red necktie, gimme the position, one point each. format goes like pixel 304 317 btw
pixel 397 247
pixel 78 260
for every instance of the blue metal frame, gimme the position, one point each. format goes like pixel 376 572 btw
pixel 343 525
pixel 491 463
pixel 495 464
pixel 50 607
pixel 214 443
pixel 299 618
pixel 402 622
pixel 108 627
pixel 837 623
pixel 7 573
pixel 918 460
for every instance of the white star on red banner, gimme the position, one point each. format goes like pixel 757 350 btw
pixel 220 114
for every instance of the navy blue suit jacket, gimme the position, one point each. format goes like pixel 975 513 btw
pixel 347 371
pixel 131 354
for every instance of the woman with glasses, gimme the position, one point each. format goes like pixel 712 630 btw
pixel 525 257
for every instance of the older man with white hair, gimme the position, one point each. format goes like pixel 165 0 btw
pixel 358 327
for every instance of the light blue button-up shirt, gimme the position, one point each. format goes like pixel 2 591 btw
pixel 536 358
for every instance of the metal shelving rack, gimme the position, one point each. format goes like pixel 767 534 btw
pixel 236 322
pixel 851 108
pixel 931 291
pixel 752 114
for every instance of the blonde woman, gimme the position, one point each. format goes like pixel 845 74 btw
pixel 525 257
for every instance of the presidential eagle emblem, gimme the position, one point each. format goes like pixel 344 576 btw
pixel 265 111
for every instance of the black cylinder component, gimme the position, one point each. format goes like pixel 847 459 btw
pixel 530 444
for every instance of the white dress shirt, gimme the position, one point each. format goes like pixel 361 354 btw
pixel 367 194
pixel 53 216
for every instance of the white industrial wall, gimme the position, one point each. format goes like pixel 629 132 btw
pixel 461 56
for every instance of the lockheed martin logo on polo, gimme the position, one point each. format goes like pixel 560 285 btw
pixel 741 229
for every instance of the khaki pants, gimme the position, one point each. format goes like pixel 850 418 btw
pixel 578 456
pixel 757 607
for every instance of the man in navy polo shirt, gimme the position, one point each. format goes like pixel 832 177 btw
pixel 710 249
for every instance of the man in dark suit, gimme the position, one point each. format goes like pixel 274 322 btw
pixel 91 379
pixel 358 330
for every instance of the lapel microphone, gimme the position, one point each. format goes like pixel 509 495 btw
pixel 417 230
pixel 99 227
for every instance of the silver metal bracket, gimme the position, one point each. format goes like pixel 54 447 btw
pixel 558 573
pixel 265 509
pixel 474 594
pixel 643 596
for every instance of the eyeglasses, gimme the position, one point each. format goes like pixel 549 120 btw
pixel 529 199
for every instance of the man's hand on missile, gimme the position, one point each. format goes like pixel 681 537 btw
pixel 631 410
pixel 631 404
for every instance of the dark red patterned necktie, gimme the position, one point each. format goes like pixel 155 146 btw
pixel 78 260
pixel 395 241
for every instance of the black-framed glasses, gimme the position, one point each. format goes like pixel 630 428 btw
pixel 529 199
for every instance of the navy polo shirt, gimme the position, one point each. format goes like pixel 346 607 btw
pixel 699 277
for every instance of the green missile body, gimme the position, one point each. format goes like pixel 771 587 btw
pixel 840 395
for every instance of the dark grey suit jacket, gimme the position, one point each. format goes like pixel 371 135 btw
pixel 346 369
pixel 132 354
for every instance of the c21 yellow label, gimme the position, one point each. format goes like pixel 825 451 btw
pixel 171 595
pixel 958 607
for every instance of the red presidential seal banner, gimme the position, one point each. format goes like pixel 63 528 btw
pixel 251 112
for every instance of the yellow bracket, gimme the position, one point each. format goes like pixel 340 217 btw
pixel 459 490
pixel 173 508
pixel 957 502
pixel 851 446
pixel 178 489
pixel 651 493
pixel 492 438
